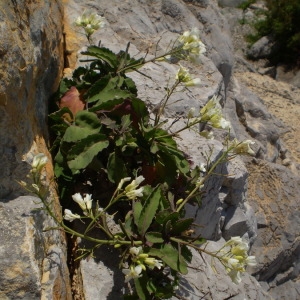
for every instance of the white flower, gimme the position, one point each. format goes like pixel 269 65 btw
pixel 235 276
pixel 153 263
pixel 191 113
pixel 207 134
pixel 131 190
pixel 122 181
pixel 69 216
pixel 85 203
pixel 193 82
pixel 133 272
pixel 191 45
pixel 39 161
pixel 135 251
pixel 184 77
pixel 90 22
pixel 212 112
pixel 202 167
pixel 36 187
pixel 241 148
pixel 251 261
pixel 233 263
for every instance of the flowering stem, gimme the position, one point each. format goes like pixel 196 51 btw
pixel 210 171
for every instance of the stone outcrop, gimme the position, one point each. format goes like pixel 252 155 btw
pixel 33 263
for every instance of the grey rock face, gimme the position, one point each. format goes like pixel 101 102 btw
pixel 31 58
pixel 263 48
pixel 231 3
pixel 274 190
pixel 33 264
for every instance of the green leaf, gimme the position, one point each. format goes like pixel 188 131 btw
pixel 74 134
pixel 162 215
pixel 103 98
pixel 141 287
pixel 130 84
pixel 83 152
pixel 57 116
pixel 104 54
pixel 169 255
pixel 181 226
pixel 137 208
pixel 154 237
pixel 186 253
pixel 116 168
pixel 87 119
pixel 149 210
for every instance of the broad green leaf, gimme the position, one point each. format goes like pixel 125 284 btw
pixel 154 237
pixel 182 225
pixel 108 95
pixel 169 255
pixel 87 119
pixel 83 152
pixel 130 84
pixel 58 115
pixel 137 208
pixel 186 253
pixel 162 215
pixel 104 54
pixel 141 287
pixel 116 168
pixel 149 210
pixel 75 133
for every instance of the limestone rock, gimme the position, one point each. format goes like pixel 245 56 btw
pixel 274 190
pixel 231 3
pixel 33 263
pixel 263 48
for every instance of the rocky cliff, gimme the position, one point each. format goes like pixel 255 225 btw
pixel 257 199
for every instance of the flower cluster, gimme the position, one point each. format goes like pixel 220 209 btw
pixel 241 148
pixel 212 113
pixel 39 161
pixel 85 204
pixel 90 22
pixel 131 190
pixel 140 260
pixel 184 77
pixel 191 45
pixel 234 256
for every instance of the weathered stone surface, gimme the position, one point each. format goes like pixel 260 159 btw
pixel 202 282
pixel 231 3
pixel 31 59
pixel 274 190
pixel 255 122
pixel 33 263
pixel 263 48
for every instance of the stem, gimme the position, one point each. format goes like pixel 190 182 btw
pixel 203 180
pixel 143 62
pixel 195 247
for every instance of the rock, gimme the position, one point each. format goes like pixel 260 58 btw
pixel 231 3
pixel 33 263
pixel 290 76
pixel 216 284
pixel 29 75
pixel 263 48
pixel 256 122
pixel 272 192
